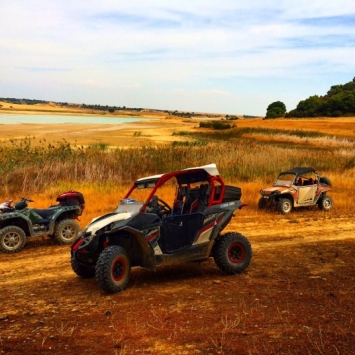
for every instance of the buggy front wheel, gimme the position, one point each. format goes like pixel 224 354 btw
pixel 81 270
pixel 262 203
pixel 284 206
pixel 113 269
pixel 232 253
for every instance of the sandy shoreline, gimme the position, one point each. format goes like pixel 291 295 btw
pixel 150 130
pixel 153 127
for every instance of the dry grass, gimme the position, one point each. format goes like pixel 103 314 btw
pixel 340 127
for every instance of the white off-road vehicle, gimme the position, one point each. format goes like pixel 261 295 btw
pixel 297 187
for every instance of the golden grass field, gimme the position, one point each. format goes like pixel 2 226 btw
pixel 297 296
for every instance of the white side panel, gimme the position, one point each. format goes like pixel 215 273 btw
pixel 204 236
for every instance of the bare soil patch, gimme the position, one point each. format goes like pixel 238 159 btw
pixel 297 297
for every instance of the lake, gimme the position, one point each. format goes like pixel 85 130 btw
pixel 30 118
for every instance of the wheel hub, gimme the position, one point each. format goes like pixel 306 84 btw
pixel 118 269
pixel 236 253
pixel 11 240
pixel 67 233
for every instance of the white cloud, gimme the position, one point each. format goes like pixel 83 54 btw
pixel 200 47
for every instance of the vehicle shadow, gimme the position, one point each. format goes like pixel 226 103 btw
pixel 178 274
pixel 182 271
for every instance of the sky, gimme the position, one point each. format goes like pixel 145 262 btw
pixel 228 56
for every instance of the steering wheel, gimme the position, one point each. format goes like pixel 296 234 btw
pixel 164 207
pixel 159 206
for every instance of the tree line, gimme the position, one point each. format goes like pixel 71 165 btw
pixel 339 101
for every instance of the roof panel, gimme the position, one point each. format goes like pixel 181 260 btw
pixel 299 171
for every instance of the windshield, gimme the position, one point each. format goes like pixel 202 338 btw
pixel 285 180
pixel 129 205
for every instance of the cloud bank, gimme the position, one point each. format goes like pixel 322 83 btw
pixel 229 57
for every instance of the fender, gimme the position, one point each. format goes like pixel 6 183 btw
pixel 64 209
pixel 147 258
pixel 19 216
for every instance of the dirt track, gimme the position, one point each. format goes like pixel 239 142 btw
pixel 297 297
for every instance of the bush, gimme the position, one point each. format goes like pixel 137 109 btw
pixel 216 125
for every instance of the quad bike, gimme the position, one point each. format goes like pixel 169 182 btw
pixel 152 232
pixel 297 187
pixel 18 222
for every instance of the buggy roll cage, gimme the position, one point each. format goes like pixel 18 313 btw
pixel 185 177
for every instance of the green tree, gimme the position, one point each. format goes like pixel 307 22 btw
pixel 311 107
pixel 275 110
pixel 339 101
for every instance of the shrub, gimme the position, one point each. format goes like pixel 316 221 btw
pixel 217 125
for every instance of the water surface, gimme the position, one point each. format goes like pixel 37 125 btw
pixel 52 119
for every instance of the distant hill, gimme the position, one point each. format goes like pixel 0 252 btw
pixel 113 109
pixel 339 101
pixel 66 104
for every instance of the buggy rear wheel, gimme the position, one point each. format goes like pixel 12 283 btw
pixel 232 253
pixel 113 269
pixel 12 239
pixel 325 203
pixel 66 231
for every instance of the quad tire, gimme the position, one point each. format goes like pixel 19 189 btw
pixel 66 231
pixel 284 206
pixel 232 253
pixel 325 203
pixel 81 270
pixel 113 269
pixel 12 239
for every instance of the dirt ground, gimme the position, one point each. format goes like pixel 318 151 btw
pixel 297 297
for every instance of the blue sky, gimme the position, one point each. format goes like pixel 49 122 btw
pixel 226 56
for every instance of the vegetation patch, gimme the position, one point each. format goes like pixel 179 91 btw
pixel 217 125
pixel 99 146
pixel 181 133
